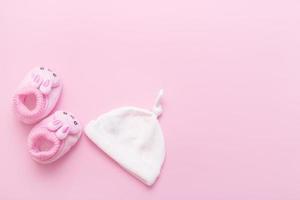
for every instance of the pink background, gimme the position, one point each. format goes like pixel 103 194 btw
pixel 231 74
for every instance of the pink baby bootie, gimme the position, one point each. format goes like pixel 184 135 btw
pixel 37 95
pixel 54 136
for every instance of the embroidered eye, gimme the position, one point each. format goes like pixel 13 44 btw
pixel 42 68
pixel 65 113
pixel 54 74
pixel 75 122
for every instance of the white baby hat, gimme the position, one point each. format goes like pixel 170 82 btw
pixel 133 138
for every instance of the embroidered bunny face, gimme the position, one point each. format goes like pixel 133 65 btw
pixel 64 123
pixel 44 79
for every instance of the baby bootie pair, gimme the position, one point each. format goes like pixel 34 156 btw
pixel 34 100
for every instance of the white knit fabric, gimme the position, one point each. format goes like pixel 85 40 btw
pixel 133 138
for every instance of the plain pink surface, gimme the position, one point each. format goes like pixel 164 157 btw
pixel 231 74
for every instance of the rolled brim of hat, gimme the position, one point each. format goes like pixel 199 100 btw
pixel 133 138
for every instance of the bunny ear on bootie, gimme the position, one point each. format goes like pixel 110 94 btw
pixel 132 137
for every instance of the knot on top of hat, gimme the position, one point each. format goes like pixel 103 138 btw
pixel 157 108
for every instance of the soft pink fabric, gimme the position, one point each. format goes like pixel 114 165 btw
pixel 43 88
pixel 53 137
pixel 43 145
